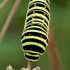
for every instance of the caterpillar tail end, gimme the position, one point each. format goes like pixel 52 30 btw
pixel 31 58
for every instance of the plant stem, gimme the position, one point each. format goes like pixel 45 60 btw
pixel 7 23
pixel 3 4
pixel 53 52
pixel 29 65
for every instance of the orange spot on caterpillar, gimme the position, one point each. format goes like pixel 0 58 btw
pixel 41 36
pixel 46 39
pixel 44 6
pixel 25 48
pixel 44 14
pixel 29 34
pixel 34 5
pixel 41 51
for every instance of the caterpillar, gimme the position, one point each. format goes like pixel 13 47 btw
pixel 35 34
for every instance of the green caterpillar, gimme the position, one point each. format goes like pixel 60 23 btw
pixel 34 37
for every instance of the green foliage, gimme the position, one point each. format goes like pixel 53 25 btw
pixel 10 48
pixel 62 3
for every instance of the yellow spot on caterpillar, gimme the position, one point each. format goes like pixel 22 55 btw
pixel 32 19
pixel 43 21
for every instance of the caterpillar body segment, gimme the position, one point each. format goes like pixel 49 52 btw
pixel 34 37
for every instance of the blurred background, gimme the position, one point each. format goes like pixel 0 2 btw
pixel 10 48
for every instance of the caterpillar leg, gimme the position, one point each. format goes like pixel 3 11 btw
pixel 23 69
pixel 37 68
